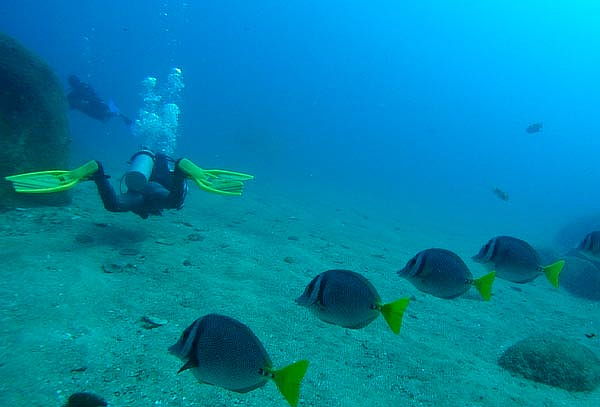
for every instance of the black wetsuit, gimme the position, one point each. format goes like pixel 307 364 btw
pixel 83 97
pixel 166 189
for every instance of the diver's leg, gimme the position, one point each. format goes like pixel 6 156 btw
pixel 113 202
pixel 161 172
pixel 178 189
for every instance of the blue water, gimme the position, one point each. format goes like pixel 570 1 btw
pixel 412 108
pixel 427 99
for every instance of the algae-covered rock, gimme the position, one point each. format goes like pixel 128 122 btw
pixel 555 361
pixel 34 128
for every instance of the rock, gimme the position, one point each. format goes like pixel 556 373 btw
pixel 129 251
pixel 554 361
pixel 151 322
pixel 84 239
pixel 195 237
pixel 34 126
pixel 120 267
pixel 289 260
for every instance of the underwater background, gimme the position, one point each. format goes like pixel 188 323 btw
pixel 374 130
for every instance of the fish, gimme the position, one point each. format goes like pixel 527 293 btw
pixel 84 399
pixel 443 274
pixel 591 243
pixel 516 260
pixel 534 128
pixel 502 195
pixel 347 299
pixel 223 352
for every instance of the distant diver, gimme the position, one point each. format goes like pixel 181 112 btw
pixel 83 97
pixel 502 195
pixel 534 128
pixel 154 182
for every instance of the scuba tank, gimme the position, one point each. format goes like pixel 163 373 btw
pixel 140 170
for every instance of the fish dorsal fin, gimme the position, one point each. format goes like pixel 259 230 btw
pixel 311 295
pixel 190 364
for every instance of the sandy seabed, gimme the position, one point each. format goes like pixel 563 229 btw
pixel 75 283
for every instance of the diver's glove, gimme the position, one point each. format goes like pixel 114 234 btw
pixel 44 182
pixel 216 181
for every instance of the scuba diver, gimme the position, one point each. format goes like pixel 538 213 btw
pixel 154 182
pixel 83 97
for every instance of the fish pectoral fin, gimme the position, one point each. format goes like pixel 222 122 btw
pixel 552 272
pixel 288 380
pixel 190 364
pixel 484 285
pixel 393 313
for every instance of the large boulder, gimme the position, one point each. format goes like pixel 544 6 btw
pixel 555 361
pixel 34 127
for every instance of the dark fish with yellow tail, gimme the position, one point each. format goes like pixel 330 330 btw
pixel 347 299
pixel 516 260
pixel 444 274
pixel 500 194
pixel 223 352
pixel 534 128
pixel 591 243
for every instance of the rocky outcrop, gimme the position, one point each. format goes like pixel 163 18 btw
pixel 555 361
pixel 34 128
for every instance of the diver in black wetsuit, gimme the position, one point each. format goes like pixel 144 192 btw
pixel 164 189
pixel 83 97
pixel 154 182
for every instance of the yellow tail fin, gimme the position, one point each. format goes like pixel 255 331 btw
pixel 393 313
pixel 553 271
pixel 288 380
pixel 484 285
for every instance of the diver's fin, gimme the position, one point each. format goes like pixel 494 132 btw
pixel 288 380
pixel 112 107
pixel 484 285
pixel 216 181
pixel 552 272
pixel 393 313
pixel 43 182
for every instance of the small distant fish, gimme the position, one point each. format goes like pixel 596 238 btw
pixel 500 194
pixel 591 243
pixel 443 274
pixel 534 128
pixel 223 352
pixel 85 400
pixel 347 299
pixel 515 260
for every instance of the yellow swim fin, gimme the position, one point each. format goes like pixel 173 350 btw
pixel 216 181
pixel 288 380
pixel 44 182
pixel 393 313
pixel 553 271
pixel 484 285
